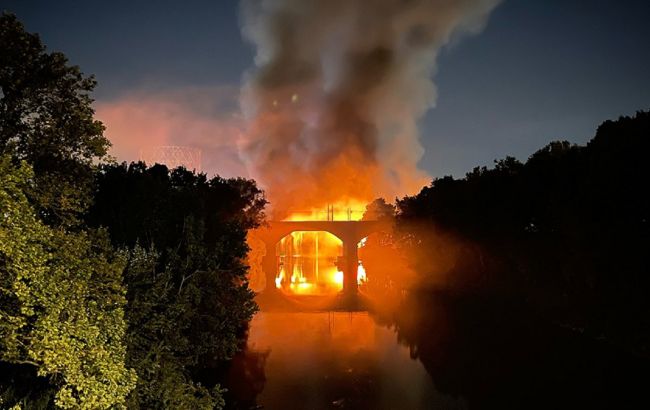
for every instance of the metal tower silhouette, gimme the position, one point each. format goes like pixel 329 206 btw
pixel 173 156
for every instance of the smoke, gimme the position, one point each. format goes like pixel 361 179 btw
pixel 338 87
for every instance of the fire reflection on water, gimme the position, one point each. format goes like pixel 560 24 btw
pixel 337 360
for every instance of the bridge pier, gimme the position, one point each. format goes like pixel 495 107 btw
pixel 351 265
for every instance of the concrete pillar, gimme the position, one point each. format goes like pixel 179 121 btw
pixel 350 253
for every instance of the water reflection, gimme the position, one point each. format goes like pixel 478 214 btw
pixel 334 360
pixel 430 351
pixel 498 355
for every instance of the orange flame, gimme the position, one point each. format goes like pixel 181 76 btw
pixel 349 210
pixel 310 263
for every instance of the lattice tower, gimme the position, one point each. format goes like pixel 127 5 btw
pixel 173 156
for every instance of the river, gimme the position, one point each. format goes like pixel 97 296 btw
pixel 430 353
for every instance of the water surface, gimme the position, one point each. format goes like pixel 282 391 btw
pixel 337 360
pixel 431 353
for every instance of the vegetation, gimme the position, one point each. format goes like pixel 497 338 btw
pixel 188 297
pixel 62 304
pixel 62 294
pixel 566 232
pixel 120 286
pixel 46 119
pixel 124 286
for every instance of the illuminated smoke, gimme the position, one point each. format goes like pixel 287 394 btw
pixel 338 86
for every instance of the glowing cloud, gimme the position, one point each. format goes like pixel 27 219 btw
pixel 204 118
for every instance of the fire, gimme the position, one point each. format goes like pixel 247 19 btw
pixel 348 210
pixel 338 277
pixel 310 263
pixel 361 274
pixel 361 271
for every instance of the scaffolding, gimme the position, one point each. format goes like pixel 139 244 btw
pixel 172 156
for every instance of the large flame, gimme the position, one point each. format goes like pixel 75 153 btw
pixel 310 263
pixel 346 210
pixel 315 257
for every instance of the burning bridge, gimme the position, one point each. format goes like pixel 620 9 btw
pixel 349 232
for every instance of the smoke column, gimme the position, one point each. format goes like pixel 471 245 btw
pixel 338 86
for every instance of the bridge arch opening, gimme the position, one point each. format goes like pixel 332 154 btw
pixel 387 268
pixel 312 257
pixel 309 263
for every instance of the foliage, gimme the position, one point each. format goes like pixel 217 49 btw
pixel 62 302
pixel 567 231
pixel 188 299
pixel 159 346
pixel 379 210
pixel 46 119
pixel 64 340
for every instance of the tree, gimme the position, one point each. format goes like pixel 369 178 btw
pixel 379 210
pixel 46 119
pixel 188 300
pixel 61 303
pixel 161 314
pixel 567 231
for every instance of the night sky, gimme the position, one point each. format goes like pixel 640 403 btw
pixel 539 71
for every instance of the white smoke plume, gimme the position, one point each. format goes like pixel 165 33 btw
pixel 338 86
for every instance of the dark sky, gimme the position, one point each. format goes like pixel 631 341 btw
pixel 541 70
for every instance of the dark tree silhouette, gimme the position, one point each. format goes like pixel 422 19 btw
pixel 567 232
pixel 46 119
pixel 188 298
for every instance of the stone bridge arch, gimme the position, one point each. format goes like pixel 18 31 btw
pixel 349 232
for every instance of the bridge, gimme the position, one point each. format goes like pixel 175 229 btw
pixel 349 232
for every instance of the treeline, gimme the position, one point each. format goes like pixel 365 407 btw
pixel 566 232
pixel 120 285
